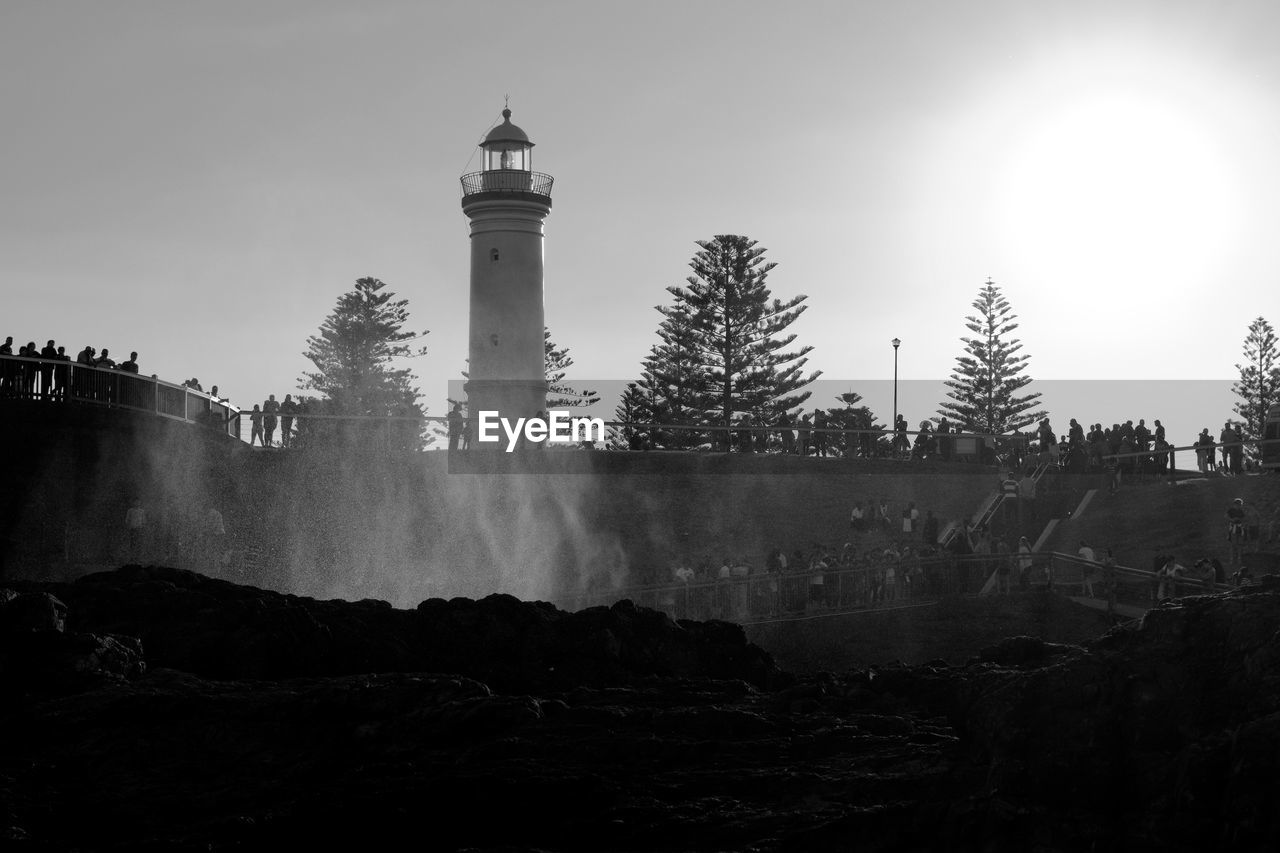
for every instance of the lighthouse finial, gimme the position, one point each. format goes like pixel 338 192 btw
pixel 506 106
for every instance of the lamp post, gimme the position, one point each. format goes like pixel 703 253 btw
pixel 894 443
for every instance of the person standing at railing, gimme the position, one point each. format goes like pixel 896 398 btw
pixel 1204 451
pixel 255 426
pixel 48 356
pixel 270 408
pixel 819 435
pixel 60 371
pixel 130 366
pixel 27 369
pixel 81 388
pixel 288 409
pixel 1224 442
pixel 1237 451
pixel 786 434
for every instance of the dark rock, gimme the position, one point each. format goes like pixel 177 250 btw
pixel 31 611
pixel 615 728
pixel 221 630
pixel 51 661
pixel 1022 651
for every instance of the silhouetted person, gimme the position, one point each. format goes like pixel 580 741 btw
pixel 49 356
pixel 29 369
pixel 255 426
pixel 8 369
pixel 900 442
pixel 130 366
pixel 270 409
pixel 1204 451
pixel 288 409
pixel 786 433
pixel 819 436
pixel 60 372
pixel 82 379
pixel 457 423
pixel 944 438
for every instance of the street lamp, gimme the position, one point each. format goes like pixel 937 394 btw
pixel 894 443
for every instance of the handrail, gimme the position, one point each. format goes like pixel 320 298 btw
pixel 506 181
pixel 865 587
pixel 64 381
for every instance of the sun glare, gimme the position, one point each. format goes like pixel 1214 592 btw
pixel 1124 183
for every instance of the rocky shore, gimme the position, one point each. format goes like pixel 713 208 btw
pixel 149 708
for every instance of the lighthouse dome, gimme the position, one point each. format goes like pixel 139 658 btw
pixel 507 132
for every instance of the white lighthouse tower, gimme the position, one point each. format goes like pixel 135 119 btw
pixel 506 202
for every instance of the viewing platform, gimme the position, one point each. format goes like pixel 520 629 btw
pixel 56 382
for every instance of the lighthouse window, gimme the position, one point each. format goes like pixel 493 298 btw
pixel 493 255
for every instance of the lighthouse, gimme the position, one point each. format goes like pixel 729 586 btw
pixel 506 203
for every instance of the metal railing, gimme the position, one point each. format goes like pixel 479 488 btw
pixel 767 595
pixel 763 596
pixel 506 181
pixel 56 381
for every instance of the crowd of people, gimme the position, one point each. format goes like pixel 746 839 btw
pixel 48 375
pixel 264 418
pixel 889 554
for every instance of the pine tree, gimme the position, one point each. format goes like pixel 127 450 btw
pixel 675 380
pixel 557 363
pixel 354 356
pixel 738 335
pixel 633 408
pixel 1259 385
pixel 851 416
pixel 984 387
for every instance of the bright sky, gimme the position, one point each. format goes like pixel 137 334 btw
pixel 201 181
